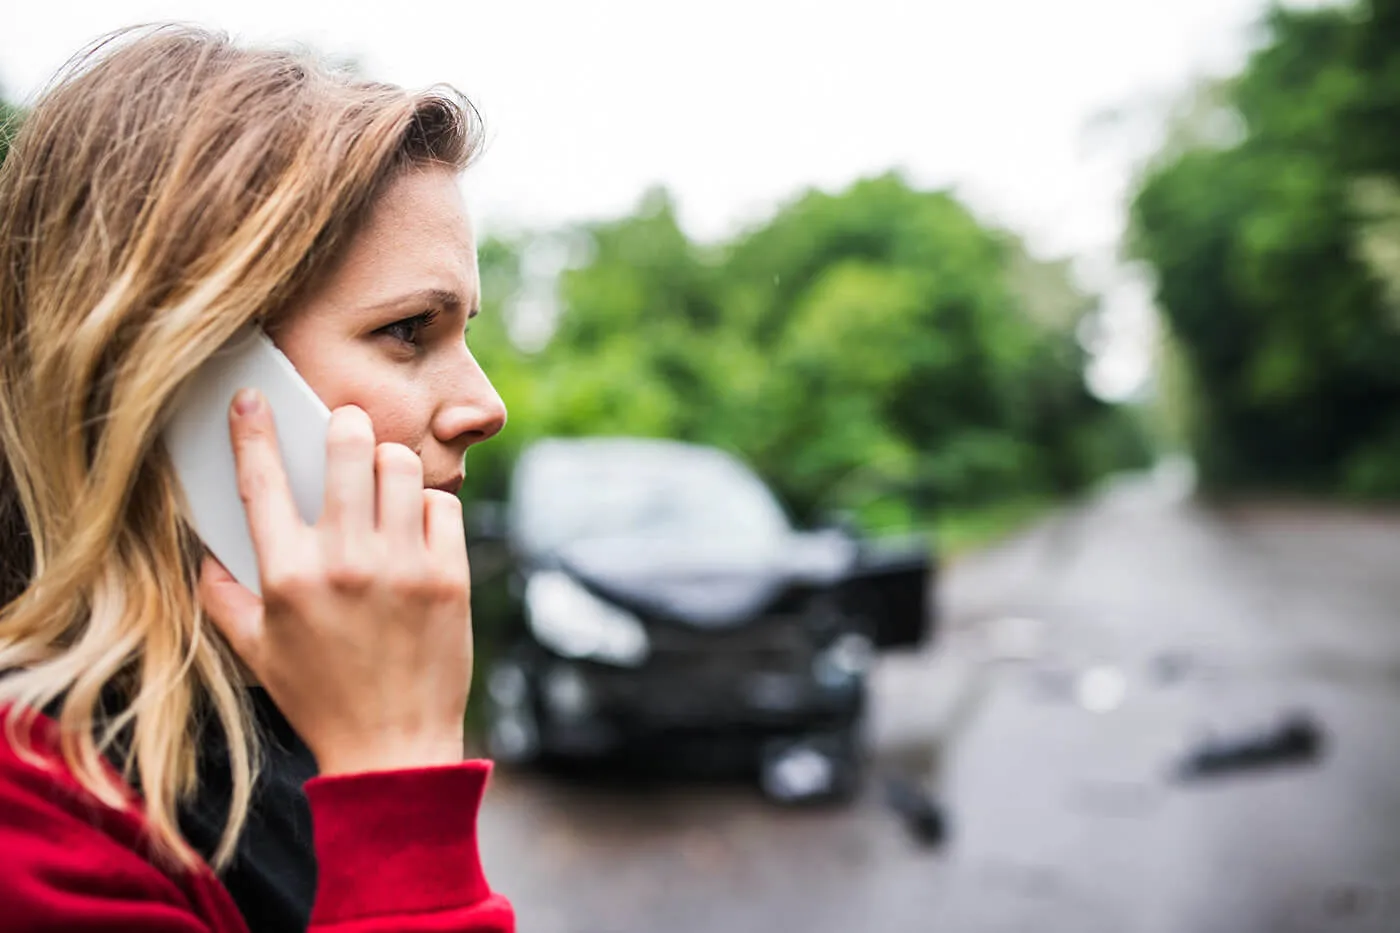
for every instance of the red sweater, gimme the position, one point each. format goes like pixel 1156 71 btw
pixel 396 851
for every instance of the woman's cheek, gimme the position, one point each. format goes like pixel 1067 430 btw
pixel 395 417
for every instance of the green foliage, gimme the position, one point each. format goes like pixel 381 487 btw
pixel 9 124
pixel 1270 261
pixel 876 351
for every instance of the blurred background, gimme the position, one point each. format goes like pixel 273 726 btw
pixel 1030 378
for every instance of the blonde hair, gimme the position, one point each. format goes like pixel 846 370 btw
pixel 167 189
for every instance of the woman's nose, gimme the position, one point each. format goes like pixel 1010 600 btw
pixel 475 413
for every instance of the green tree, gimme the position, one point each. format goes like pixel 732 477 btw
pixel 873 349
pixel 1261 255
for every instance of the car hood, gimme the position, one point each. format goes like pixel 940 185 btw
pixel 708 583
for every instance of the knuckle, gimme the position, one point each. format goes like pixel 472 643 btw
pixel 288 584
pixel 350 574
pixel 448 583
pixel 407 582
pixel 445 591
pixel 428 584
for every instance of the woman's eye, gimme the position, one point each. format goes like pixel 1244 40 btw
pixel 410 329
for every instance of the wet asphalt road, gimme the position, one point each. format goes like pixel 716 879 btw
pixel 1064 818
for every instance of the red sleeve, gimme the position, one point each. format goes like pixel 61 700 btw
pixel 397 851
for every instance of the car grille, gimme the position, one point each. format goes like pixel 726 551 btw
pixel 779 643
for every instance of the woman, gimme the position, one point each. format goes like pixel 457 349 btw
pixel 168 190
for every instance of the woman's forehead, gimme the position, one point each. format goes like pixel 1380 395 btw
pixel 418 239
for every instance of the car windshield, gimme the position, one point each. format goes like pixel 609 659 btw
pixel 568 492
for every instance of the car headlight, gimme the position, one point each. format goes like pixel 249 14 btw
pixel 844 661
pixel 573 622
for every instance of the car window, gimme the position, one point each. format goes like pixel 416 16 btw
pixel 565 492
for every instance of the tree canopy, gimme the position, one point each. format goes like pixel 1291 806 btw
pixel 876 349
pixel 1277 257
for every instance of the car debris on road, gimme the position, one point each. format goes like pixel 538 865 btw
pixel 1296 739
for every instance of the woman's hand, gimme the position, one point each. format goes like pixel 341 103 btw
pixel 363 632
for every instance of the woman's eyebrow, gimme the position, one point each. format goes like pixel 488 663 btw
pixel 445 298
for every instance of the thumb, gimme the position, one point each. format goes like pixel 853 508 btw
pixel 233 608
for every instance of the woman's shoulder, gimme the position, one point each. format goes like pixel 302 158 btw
pixel 33 772
pixel 69 853
pixel 32 765
pixel 45 812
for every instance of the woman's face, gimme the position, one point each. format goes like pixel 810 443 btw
pixel 385 331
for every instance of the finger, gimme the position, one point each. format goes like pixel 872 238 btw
pixel 443 527
pixel 350 494
pixel 273 520
pixel 400 476
pixel 233 608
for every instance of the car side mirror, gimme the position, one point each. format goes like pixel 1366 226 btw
pixel 486 521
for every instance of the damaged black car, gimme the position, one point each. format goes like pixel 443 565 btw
pixel 645 592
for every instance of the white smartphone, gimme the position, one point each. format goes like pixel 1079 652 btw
pixel 197 439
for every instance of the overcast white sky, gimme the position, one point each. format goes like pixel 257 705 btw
pixel 738 105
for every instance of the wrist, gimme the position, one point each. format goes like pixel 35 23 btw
pixel 399 756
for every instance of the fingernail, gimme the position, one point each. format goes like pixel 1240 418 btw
pixel 246 401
